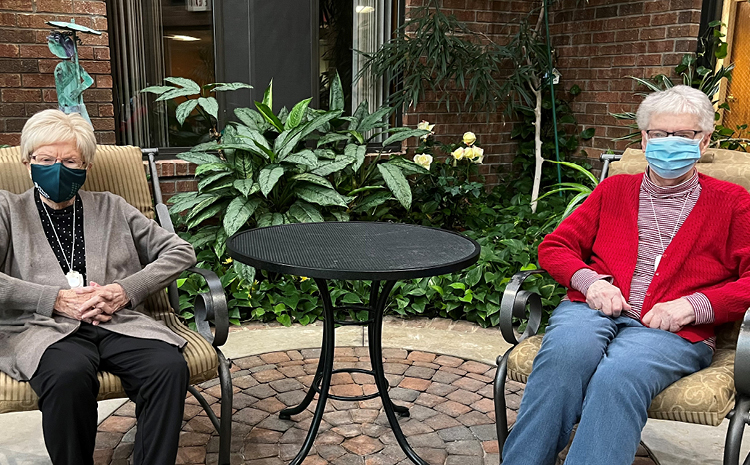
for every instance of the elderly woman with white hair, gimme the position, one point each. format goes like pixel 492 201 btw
pixel 653 263
pixel 75 269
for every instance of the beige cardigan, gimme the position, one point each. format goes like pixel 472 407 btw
pixel 122 246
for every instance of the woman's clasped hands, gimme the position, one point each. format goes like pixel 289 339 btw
pixel 93 304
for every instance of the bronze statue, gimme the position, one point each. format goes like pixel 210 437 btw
pixel 70 77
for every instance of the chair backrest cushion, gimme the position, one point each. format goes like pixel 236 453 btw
pixel 116 169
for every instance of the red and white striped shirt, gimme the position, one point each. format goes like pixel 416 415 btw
pixel 661 213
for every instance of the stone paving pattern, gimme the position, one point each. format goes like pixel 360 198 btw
pixel 451 421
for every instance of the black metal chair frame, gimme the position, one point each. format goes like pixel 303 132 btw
pixel 518 304
pixel 212 307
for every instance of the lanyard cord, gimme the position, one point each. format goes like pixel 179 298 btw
pixel 73 247
pixel 676 226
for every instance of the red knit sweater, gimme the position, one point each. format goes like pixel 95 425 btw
pixel 709 254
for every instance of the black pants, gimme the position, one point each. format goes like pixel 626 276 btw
pixel 155 377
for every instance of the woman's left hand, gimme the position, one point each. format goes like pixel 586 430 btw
pixel 670 316
pixel 104 302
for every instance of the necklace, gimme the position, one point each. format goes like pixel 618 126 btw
pixel 75 279
pixel 658 230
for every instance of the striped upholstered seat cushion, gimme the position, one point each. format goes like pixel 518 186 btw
pixel 16 396
pixel 704 397
pixel 118 170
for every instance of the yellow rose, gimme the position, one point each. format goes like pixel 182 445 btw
pixel 478 154
pixel 423 160
pixel 469 138
pixel 458 153
pixel 425 126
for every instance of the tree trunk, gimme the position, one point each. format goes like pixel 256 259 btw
pixel 539 160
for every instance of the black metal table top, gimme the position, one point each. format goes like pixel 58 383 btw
pixel 354 250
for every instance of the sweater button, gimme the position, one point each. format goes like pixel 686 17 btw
pixel 648 294
pixel 657 274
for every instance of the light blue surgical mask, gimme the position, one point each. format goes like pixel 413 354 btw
pixel 672 157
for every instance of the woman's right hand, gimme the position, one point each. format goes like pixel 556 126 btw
pixel 606 298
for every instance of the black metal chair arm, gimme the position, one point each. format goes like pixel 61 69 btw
pixel 211 306
pixel 742 358
pixel 514 303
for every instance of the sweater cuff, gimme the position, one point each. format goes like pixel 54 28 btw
pixel 45 306
pixel 704 312
pixel 136 289
pixel 584 278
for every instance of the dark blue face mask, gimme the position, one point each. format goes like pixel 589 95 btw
pixel 57 182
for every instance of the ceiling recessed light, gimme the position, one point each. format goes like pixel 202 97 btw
pixel 183 38
pixel 365 9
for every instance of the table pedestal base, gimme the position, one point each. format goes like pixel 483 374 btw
pixel 322 380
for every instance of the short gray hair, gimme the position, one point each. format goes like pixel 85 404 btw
pixel 677 100
pixel 53 126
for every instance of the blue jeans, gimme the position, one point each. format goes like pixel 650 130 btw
pixel 603 373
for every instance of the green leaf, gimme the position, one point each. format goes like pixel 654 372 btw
pixel 408 167
pixel 205 182
pixel 588 133
pixel 319 195
pixel 210 212
pixel 315 179
pixel 269 176
pixel 575 90
pixel 268 95
pixel 199 158
pixel 192 201
pixel 473 276
pixel 305 213
pixel 254 137
pixel 336 94
pixel 269 116
pixel 304 157
pixel 212 168
pixel 332 137
pixel 246 273
pixel 284 319
pixel 340 216
pixel 580 169
pixel 184 109
pixel 210 105
pixel 325 168
pixel 374 120
pixel 243 164
pixel 245 186
pixel 158 90
pixel 238 212
pixel 372 201
pixel 225 86
pixel 397 183
pixel 202 237
pixel 357 154
pixel 297 113
pixel 403 135
pixel 188 84
pixel 250 118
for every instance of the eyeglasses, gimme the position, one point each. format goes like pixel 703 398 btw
pixel 47 160
pixel 658 133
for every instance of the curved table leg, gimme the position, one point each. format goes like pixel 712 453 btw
pixel 371 335
pixel 326 363
pixel 376 357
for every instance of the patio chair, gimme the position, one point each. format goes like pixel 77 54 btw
pixel 722 390
pixel 120 170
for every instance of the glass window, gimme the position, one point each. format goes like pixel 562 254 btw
pixel 349 29
pixel 153 40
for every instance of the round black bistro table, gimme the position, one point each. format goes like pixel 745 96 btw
pixel 379 252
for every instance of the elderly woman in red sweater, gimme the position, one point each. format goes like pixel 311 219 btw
pixel 653 263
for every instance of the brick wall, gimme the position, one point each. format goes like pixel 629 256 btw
pixel 599 43
pixel 27 83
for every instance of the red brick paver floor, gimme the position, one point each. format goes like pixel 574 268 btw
pixel 451 421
